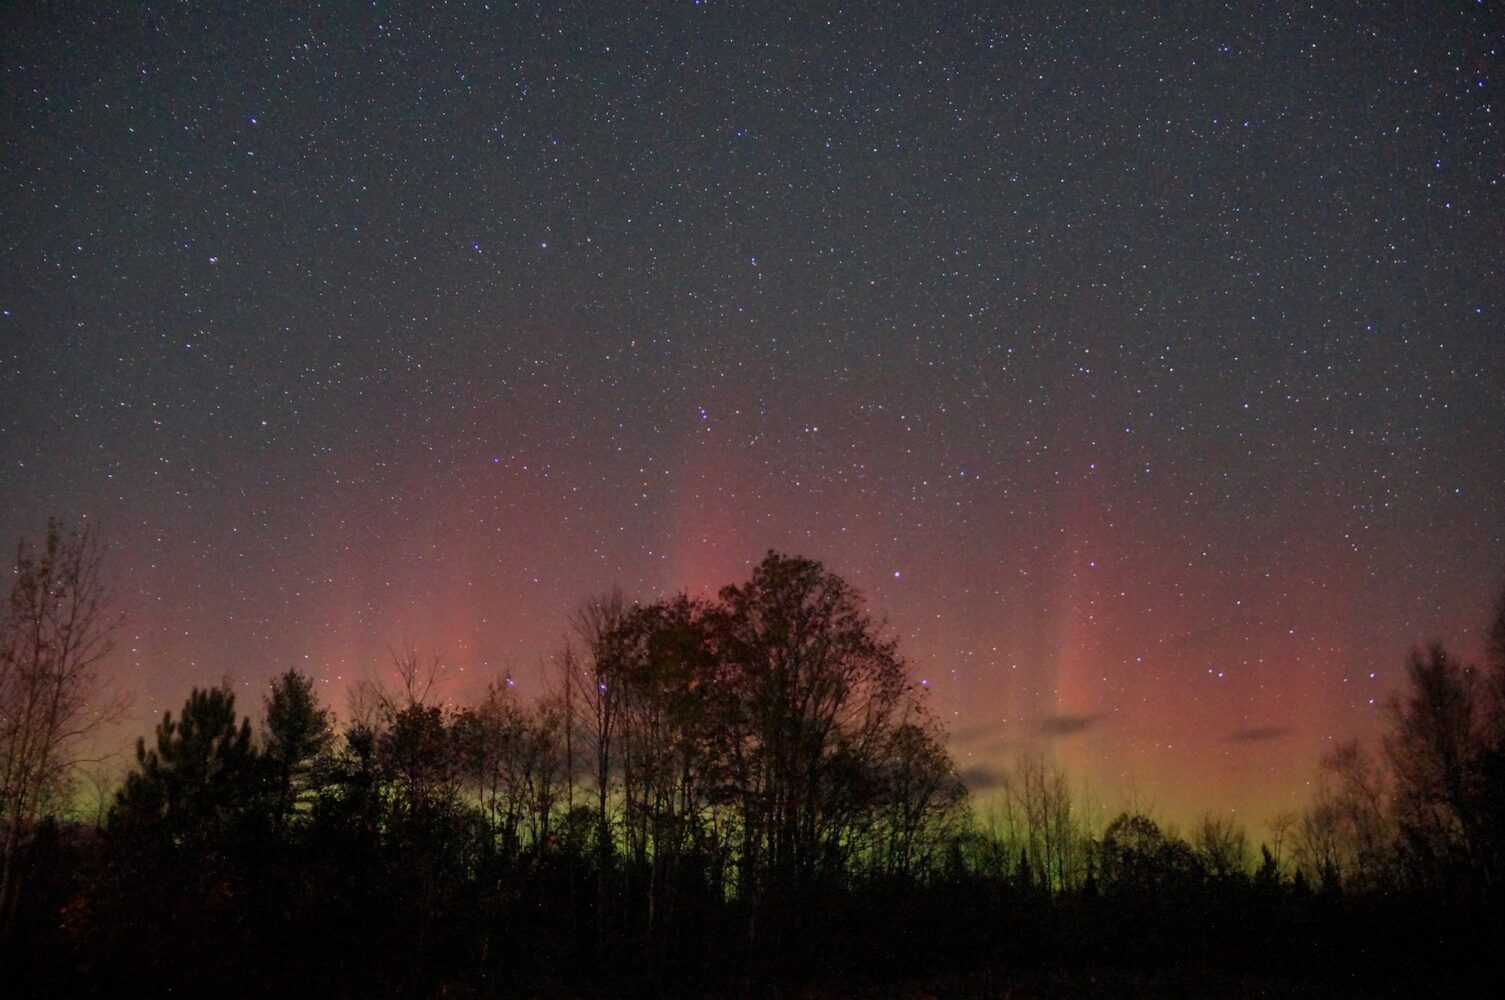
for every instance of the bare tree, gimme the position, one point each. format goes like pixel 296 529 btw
pixel 373 702
pixel 1317 839
pixel 54 635
pixel 1360 796
pixel 1436 745
pixel 1043 824
pixel 1280 826
pixel 1345 837
pixel 921 798
pixel 1223 846
pixel 818 689
pixel 1494 643
pixel 596 623
pixel 513 765
pixel 569 684
pixel 1494 658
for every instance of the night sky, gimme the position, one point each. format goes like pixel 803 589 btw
pixel 1145 371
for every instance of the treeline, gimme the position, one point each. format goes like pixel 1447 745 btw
pixel 716 797
pixel 700 770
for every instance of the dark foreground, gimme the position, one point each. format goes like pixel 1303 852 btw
pixel 267 925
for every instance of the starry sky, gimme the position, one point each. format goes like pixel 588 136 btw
pixel 1145 370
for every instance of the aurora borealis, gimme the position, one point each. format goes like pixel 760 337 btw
pixel 1145 371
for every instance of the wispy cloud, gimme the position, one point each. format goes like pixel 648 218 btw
pixel 983 731
pixel 980 778
pixel 1260 734
pixel 1065 725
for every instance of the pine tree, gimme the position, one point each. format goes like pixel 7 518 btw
pixel 202 780
pixel 297 734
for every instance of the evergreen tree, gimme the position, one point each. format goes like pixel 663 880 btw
pixel 297 734
pixel 202 779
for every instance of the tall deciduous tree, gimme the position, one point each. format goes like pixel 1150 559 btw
pixel 597 624
pixel 919 798
pixel 1435 746
pixel 817 691
pixel 1490 776
pixel 55 631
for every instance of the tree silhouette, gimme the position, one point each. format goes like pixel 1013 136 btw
pixel 1435 748
pixel 1222 846
pixel 55 631
pixel 919 798
pixel 817 692
pixel 1041 821
pixel 512 764
pixel 1494 642
pixel 771 802
pixel 296 734
pixel 202 780
pixel 597 624
pixel 1137 857
pixel 1489 773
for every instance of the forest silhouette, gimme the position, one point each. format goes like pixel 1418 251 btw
pixel 744 795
